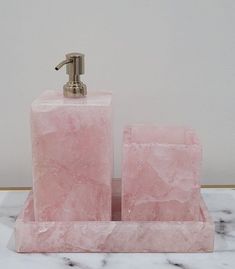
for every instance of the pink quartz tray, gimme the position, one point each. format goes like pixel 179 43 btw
pixel 115 235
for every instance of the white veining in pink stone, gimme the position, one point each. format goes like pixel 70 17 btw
pixel 72 156
pixel 160 173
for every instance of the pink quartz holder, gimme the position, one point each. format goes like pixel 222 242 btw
pixel 115 235
pixel 160 174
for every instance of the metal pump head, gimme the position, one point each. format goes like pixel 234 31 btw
pixel 74 68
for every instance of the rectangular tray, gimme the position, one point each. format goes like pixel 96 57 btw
pixel 115 235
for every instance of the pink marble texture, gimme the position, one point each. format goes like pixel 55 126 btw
pixel 160 173
pixel 113 236
pixel 72 157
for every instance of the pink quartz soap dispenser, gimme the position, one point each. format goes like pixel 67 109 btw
pixel 72 150
pixel 160 174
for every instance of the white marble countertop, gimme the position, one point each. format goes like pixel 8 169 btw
pixel 220 202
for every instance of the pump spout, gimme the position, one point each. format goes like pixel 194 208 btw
pixel 62 64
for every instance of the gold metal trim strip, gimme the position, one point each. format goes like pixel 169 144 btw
pixel 206 186
pixel 218 186
pixel 15 188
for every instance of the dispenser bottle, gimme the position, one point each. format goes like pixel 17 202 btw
pixel 72 150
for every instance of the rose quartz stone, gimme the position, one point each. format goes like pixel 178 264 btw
pixel 72 157
pixel 113 236
pixel 160 173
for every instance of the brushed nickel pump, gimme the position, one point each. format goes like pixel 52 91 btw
pixel 74 68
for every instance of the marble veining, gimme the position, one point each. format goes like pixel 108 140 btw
pixel 220 202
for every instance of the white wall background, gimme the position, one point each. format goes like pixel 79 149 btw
pixel 167 62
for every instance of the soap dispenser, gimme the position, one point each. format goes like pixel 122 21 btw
pixel 72 152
